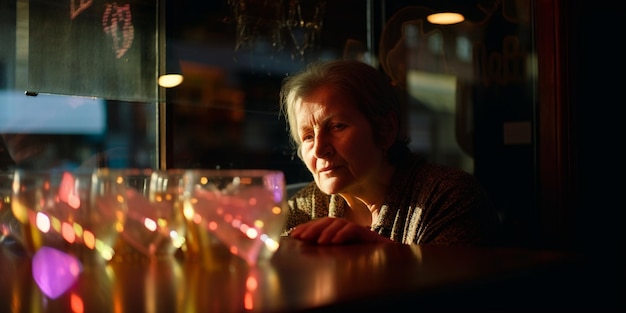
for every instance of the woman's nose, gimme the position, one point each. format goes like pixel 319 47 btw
pixel 322 147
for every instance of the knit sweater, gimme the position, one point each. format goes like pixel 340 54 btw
pixel 426 204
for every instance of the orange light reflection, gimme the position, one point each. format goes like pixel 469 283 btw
pixel 76 302
pixel 90 239
pixel 251 286
pixel 67 231
pixel 248 302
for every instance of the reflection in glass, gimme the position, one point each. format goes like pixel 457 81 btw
pixel 46 131
pixel 154 224
pixel 75 212
pixel 267 28
pixel 244 209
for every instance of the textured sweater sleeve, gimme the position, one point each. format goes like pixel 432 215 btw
pixel 433 204
pixel 460 213
pixel 307 204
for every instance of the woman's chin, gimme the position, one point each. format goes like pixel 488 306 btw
pixel 330 185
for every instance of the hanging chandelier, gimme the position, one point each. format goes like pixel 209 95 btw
pixel 277 27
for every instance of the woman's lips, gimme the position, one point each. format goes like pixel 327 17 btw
pixel 327 169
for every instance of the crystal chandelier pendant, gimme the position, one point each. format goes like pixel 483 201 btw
pixel 277 31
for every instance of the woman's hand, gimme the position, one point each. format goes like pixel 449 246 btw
pixel 329 230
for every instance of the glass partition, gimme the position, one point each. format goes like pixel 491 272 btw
pixel 78 84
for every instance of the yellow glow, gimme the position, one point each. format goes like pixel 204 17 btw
pixel 105 251
pixel 162 222
pixel 20 212
pixel 177 240
pixel 55 224
pixel 170 80
pixel 271 244
pixel 188 211
pixel 78 230
pixel 259 223
pixel 445 18
pixel 277 210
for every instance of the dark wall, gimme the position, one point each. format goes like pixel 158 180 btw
pixel 596 94
pixel 596 68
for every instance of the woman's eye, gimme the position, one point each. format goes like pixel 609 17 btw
pixel 339 126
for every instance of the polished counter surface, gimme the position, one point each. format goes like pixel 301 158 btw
pixel 302 277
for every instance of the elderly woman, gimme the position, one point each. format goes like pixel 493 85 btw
pixel 343 117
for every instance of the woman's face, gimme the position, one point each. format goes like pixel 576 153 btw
pixel 338 145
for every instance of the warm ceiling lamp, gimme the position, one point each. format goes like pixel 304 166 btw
pixel 445 18
pixel 170 80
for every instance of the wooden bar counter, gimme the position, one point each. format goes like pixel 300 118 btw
pixel 302 277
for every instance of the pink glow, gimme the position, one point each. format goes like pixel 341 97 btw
pixel 115 16
pixel 67 231
pixel 54 271
pixel 66 191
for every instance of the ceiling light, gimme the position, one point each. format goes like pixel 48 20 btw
pixel 445 18
pixel 170 80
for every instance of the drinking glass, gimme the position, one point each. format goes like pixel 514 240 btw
pixel 245 209
pixel 154 227
pixel 79 213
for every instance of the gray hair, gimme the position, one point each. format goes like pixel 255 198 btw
pixel 370 90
